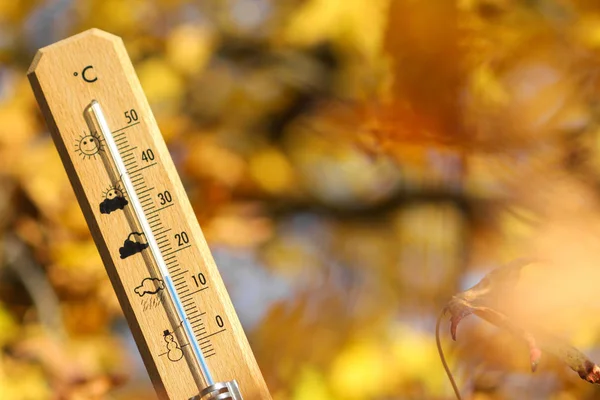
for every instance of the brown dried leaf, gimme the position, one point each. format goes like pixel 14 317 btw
pixel 484 300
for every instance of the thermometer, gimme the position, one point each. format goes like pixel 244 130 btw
pixel 155 254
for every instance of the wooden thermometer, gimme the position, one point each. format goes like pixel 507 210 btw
pixel 160 266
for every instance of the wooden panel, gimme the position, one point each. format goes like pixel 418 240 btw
pixel 66 77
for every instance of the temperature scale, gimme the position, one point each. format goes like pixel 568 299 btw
pixel 142 222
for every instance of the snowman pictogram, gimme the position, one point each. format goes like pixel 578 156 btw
pixel 174 352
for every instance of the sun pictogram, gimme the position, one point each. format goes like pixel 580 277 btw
pixel 88 146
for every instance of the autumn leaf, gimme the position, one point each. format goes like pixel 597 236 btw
pixel 485 300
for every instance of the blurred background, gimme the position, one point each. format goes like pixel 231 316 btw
pixel 353 164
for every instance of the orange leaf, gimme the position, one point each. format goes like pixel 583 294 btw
pixel 485 299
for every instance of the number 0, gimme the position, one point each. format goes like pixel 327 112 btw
pixel 219 321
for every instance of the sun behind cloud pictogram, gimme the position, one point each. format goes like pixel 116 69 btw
pixel 88 146
pixel 113 199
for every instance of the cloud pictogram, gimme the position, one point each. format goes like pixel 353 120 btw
pixel 150 286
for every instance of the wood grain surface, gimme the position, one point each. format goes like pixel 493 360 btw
pixel 66 77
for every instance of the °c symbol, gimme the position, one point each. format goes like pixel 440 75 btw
pixel 87 75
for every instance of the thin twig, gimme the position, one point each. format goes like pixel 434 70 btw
pixel 36 283
pixel 441 353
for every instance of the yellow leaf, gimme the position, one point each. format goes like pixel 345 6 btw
pixel 81 256
pixel 311 385
pixel 117 16
pixel 588 30
pixel 208 159
pixel 272 171
pixel 189 48
pixel 18 125
pixel 22 381
pixel 486 86
pixel 357 22
pixel 43 177
pixel 8 327
pixel 161 83
pixel 358 364
pixel 414 353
